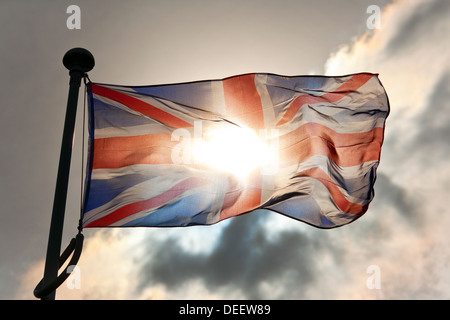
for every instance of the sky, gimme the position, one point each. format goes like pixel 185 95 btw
pixel 402 241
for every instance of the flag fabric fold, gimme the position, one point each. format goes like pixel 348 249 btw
pixel 325 132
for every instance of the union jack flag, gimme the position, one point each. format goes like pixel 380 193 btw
pixel 328 133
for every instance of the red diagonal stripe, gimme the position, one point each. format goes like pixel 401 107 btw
pixel 148 204
pixel 336 194
pixel 243 102
pixel 140 106
pixel 353 84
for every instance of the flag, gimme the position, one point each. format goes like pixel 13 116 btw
pixel 307 147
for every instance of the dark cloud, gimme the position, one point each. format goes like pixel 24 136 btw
pixel 395 196
pixel 418 25
pixel 424 143
pixel 425 148
pixel 431 143
pixel 244 258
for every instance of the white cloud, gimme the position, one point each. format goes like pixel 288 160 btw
pixel 409 52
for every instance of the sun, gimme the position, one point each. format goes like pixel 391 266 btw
pixel 234 149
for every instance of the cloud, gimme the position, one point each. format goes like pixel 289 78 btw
pixel 410 60
pixel 415 28
pixel 434 120
pixel 398 199
pixel 245 259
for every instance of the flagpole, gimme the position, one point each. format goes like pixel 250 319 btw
pixel 78 61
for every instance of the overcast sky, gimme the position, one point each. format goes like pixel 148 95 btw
pixel 259 255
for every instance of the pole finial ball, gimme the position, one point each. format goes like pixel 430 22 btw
pixel 79 59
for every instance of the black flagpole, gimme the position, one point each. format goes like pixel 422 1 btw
pixel 78 61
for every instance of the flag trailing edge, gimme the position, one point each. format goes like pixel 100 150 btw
pixel 326 133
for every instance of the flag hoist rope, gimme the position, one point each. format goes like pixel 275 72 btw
pixel 78 61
